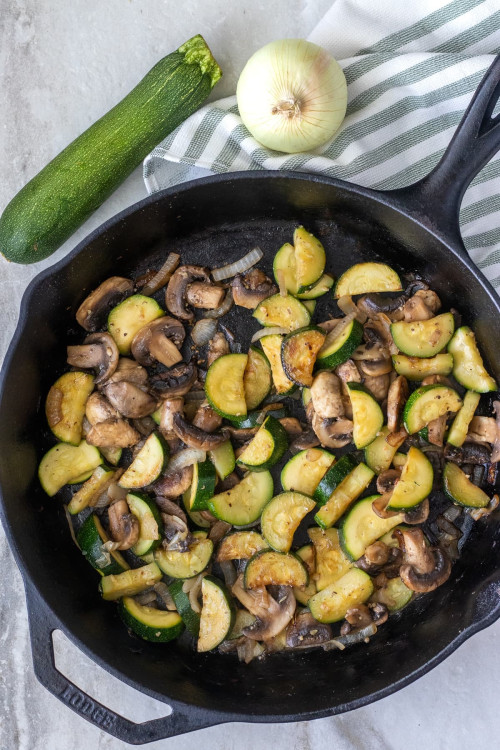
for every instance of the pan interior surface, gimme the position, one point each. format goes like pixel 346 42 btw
pixel 211 223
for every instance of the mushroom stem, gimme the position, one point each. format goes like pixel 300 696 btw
pixel 206 296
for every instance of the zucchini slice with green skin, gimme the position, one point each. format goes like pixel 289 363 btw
pixel 367 278
pixel 194 515
pixel 202 487
pixel 308 556
pixel 321 287
pixel 254 418
pixel 130 582
pixel 112 455
pixel 379 453
pixel 361 527
pixel 310 304
pixel 224 387
pixel 150 523
pixel 188 564
pixel 266 447
pixel 399 460
pixel 427 403
pixel 468 367
pixel 298 353
pixel 90 538
pixel 149 623
pixel 331 604
pixel 460 426
pixel 337 348
pixel 240 545
pixel 270 567
pixel 281 518
pixel 217 614
pixel 332 478
pixel 461 490
pixel 310 259
pixel 305 470
pixel 272 348
pixel 148 464
pixel 190 618
pixel 331 561
pixel 347 491
pixel 284 267
pixel 306 396
pixel 257 378
pixel 243 503
pixel 367 415
pixel 65 463
pixel 65 405
pixel 88 493
pixel 242 620
pixel 417 368
pixel 285 312
pixel 223 459
pixel 423 338
pixel 395 595
pixel 127 319
pixel 415 483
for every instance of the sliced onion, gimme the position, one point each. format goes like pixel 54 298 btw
pixel 165 596
pixel 271 331
pixel 162 276
pixel 184 458
pixel 104 558
pixel 339 328
pixel 348 306
pixel 495 451
pixel 116 492
pixel 239 266
pixel 110 546
pixel 70 524
pixel 145 597
pixel 224 308
pixel 203 331
pixel 478 513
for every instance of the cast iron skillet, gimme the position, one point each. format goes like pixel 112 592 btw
pixel 212 221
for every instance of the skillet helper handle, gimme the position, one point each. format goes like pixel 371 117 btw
pixel 435 200
pixel 42 625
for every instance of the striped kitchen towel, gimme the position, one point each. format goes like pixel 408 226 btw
pixel 411 70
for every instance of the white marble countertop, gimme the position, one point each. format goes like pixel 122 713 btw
pixel 62 65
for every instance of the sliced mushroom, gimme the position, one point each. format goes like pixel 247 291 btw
pixel 251 288
pixel 482 430
pixel 359 616
pixel 194 437
pixel 99 352
pixel 333 433
pixel 242 434
pixel 159 341
pixel 123 525
pixel 168 408
pixel 326 396
pixel 371 304
pixel 113 433
pixel 94 309
pixel 130 399
pixel 436 430
pixel 206 418
pixel 177 286
pixel 387 480
pixel 423 305
pixel 292 426
pixel 217 347
pixel 396 399
pixel 397 438
pixel 98 409
pixel 329 325
pixel 378 331
pixel 375 563
pixel 205 296
pixel 170 507
pixel 129 370
pixel 417 514
pixel 378 385
pixel 273 615
pixel 370 351
pixel 347 372
pixel 174 382
pixel 375 367
pixel 174 483
pixel 425 568
pixel 469 453
pixel 308 439
pixel 304 631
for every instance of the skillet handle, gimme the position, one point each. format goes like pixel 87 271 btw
pixel 435 200
pixel 42 625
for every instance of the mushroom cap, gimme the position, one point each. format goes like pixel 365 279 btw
pixel 129 370
pixel 326 396
pixel 176 290
pixel 176 381
pixel 333 433
pixel 194 437
pixel 99 352
pixel 251 288
pixel 123 525
pixel 425 568
pixel 94 309
pixel 160 341
pixel 98 409
pixel 113 433
pixel 130 400
pixel 304 631
pixel 174 484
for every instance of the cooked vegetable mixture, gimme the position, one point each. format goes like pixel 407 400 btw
pixel 169 431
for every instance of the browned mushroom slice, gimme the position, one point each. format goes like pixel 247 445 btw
pixel 396 399
pixel 332 433
pixel 159 341
pixel 436 430
pixel 387 480
pixel 129 370
pixel 217 347
pixel 371 304
pixel 370 351
pixel 418 514
pixel 98 352
pixel 359 616
pixel 347 372
pixel 423 305
pixel 174 382
pixel 242 433
pixel 326 396
pixel 194 437
pixel 174 483
pixel 378 385
pixel 305 631
pixel 93 311
pixel 251 288
pixel 469 453
pixel 206 418
pixel 175 295
pixel 168 408
pixel 375 367
pixel 98 409
pixel 204 295
pixel 379 557
pixel 113 433
pixel 292 426
pixel 130 400
pixel 273 615
pixel 482 430
pixel 123 525
pixel 329 325
pixel 425 568
pixel 308 439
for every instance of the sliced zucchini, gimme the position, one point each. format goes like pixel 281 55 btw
pixel 337 348
pixel 310 259
pixel 242 620
pixel 285 312
pixel 423 338
pixel 112 455
pixel 461 490
pixel 190 618
pixel 272 348
pixel 331 604
pixel 427 403
pixel 88 493
pixel 379 453
pixel 281 517
pixel 130 582
pixel 194 515
pixel 266 447
pixel 65 463
pixel 149 623
pixel 321 287
pixel 331 561
pixel 240 545
pixel 399 460
pixel 202 487
pixel 468 366
pixel 415 483
pixel 127 319
pixel 343 495
pixel 224 387
pixel 305 470
pixel 82 477
pixel 416 368
pixel 395 594
pixel 255 418
pixel 308 556
pixel 65 405
pixel 284 268
pixel 90 538
pixel 332 478
pixel 306 396
pixel 257 378
pixel 367 415
pixel 366 278
pixel 459 428
pixel 244 502
pixel 188 564
pixel 298 353
pixel 223 459
pixel 272 568
pixel 150 523
pixel 148 464
pixel 217 614
pixel 310 304
pixel 361 527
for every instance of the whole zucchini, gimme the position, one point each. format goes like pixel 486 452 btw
pixel 72 186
